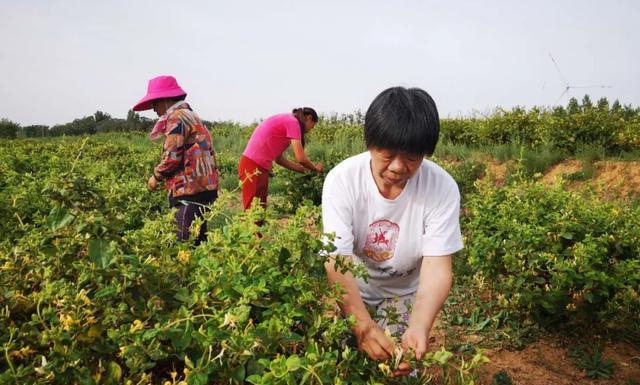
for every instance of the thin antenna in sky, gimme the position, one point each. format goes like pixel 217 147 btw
pixel 567 86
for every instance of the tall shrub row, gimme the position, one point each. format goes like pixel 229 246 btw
pixel 556 256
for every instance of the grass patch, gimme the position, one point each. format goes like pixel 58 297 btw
pixel 503 152
pixel 590 153
pixel 458 152
pixel 592 361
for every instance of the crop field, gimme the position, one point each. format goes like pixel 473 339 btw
pixel 95 288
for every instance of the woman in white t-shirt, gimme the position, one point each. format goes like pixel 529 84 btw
pixel 397 214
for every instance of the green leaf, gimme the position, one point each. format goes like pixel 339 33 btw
pixel 198 379
pixel 180 339
pixel 108 291
pixel 254 379
pixel 100 253
pixel 482 324
pixel 284 255
pixel 114 373
pixel 239 373
pixel 442 356
pixel 188 362
pixel 278 367
pixel 293 363
pixel 182 295
pixel 58 218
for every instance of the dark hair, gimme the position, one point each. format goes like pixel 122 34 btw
pixel 402 119
pixel 171 99
pixel 178 98
pixel 300 113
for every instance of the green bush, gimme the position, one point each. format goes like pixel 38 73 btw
pixel 556 256
pixel 612 129
pixel 96 289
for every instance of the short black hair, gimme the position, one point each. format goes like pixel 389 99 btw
pixel 403 119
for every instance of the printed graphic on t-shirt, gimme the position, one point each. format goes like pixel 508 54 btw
pixel 381 240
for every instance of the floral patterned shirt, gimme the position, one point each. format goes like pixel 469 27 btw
pixel 188 163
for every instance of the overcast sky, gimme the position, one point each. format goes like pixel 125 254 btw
pixel 245 60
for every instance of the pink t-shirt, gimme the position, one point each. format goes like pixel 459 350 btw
pixel 271 138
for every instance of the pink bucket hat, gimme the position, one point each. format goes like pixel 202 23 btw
pixel 160 87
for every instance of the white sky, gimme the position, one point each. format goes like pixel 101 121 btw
pixel 245 60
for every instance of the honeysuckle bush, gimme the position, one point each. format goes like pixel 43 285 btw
pixel 89 307
pixel 38 175
pixel 557 256
pixel 96 289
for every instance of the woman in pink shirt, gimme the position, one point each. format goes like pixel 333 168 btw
pixel 267 144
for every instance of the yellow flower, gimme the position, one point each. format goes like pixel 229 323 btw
pixel 82 295
pixel 183 256
pixel 386 370
pixel 22 353
pixel 67 321
pixel 230 319
pixel 137 325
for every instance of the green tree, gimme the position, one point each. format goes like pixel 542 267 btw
pixel 603 104
pixel 35 131
pixel 587 104
pixel 99 116
pixel 616 106
pixel 8 129
pixel 573 107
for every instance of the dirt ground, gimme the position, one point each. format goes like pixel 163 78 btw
pixel 611 179
pixel 547 361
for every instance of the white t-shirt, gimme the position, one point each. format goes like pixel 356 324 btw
pixel 390 236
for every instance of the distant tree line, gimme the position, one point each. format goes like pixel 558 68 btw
pixel 92 124
pixel 614 126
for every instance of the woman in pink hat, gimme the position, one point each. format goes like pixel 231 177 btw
pixel 188 167
pixel 267 144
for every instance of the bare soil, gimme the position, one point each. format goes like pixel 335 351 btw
pixel 547 362
pixel 611 180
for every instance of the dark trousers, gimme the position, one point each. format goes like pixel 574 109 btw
pixel 189 208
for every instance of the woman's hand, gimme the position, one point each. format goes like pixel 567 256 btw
pixel 319 167
pixel 379 346
pixel 373 341
pixel 152 183
pixel 416 339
